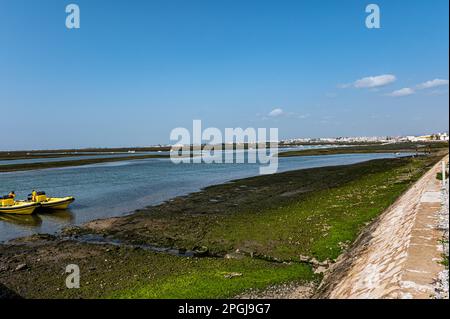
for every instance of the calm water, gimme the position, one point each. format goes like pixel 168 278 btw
pixel 113 189
pixel 93 155
pixel 75 157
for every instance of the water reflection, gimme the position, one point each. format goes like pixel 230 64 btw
pixel 61 216
pixel 38 222
pixel 26 221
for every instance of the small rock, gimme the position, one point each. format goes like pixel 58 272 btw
pixel 304 258
pixel 232 275
pixel 234 256
pixel 21 267
pixel 320 270
pixel 314 261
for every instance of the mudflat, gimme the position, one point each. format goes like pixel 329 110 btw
pixel 78 162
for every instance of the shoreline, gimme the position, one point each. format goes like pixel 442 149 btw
pixel 5 155
pixel 429 147
pixel 75 163
pixel 355 148
pixel 197 221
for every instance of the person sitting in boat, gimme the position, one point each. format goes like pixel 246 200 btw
pixel 12 195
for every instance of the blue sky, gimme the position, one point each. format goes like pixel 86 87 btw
pixel 137 69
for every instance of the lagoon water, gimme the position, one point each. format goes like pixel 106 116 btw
pixel 114 189
pixel 75 158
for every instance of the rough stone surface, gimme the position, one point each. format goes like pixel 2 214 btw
pixel 441 288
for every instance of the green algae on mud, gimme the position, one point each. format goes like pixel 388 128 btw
pixel 221 278
pixel 312 212
pixel 121 272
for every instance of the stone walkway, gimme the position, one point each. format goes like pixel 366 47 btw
pixel 398 257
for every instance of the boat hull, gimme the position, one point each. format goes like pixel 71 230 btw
pixel 56 203
pixel 19 209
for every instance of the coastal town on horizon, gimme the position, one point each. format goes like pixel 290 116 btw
pixel 381 139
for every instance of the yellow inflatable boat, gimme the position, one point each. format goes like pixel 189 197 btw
pixel 45 202
pixel 57 203
pixel 9 206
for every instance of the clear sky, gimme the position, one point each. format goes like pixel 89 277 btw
pixel 137 69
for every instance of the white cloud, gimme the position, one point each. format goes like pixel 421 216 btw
pixel 402 92
pixel 432 84
pixel 279 112
pixel 374 81
pixel 276 112
pixel 422 86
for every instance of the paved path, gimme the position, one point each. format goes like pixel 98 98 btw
pixel 398 257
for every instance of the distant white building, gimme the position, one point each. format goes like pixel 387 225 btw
pixel 365 139
pixel 443 136
pixel 424 138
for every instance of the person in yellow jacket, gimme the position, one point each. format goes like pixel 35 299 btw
pixel 33 195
